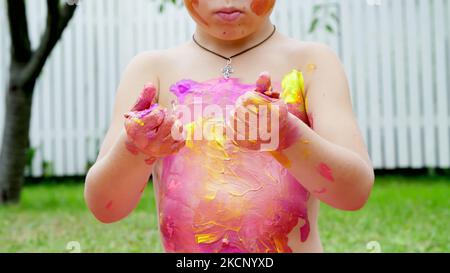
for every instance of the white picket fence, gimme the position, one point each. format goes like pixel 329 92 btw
pixel 396 53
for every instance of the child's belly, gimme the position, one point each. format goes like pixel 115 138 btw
pixel 221 199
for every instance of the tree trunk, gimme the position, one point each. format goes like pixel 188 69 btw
pixel 15 141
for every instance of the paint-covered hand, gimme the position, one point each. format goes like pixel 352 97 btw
pixel 150 127
pixel 261 121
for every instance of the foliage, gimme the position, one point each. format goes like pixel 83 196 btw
pixel 403 215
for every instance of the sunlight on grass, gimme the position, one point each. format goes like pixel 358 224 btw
pixel 403 215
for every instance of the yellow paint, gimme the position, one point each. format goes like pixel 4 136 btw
pixel 138 121
pixel 293 85
pixel 305 141
pixel 306 153
pixel 205 238
pixel 190 129
pixel 311 67
pixel 278 245
pixel 282 159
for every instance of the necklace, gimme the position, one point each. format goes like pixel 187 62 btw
pixel 228 69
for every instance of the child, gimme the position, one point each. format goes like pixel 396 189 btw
pixel 226 189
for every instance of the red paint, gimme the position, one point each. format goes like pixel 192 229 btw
pixel 311 120
pixel 190 6
pixel 146 98
pixel 109 205
pixel 325 171
pixel 261 7
pixel 131 148
pixel 150 161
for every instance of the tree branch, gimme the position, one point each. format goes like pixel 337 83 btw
pixel 18 28
pixel 57 20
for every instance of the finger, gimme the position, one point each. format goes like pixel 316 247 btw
pixel 165 129
pixel 154 118
pixel 264 82
pixel 146 98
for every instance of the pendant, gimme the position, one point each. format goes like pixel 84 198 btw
pixel 227 70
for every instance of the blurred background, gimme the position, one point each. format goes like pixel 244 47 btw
pixel 397 57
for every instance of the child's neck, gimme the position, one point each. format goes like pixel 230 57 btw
pixel 230 47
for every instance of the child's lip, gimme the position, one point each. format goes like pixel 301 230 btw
pixel 229 17
pixel 229 10
pixel 229 14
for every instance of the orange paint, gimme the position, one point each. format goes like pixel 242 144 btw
pixel 190 6
pixel 282 159
pixel 311 68
pixel 261 7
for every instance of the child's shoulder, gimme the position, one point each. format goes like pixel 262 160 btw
pixel 308 50
pixel 158 59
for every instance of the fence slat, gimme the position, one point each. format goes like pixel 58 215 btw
pixel 441 75
pixel 415 122
pixel 360 71
pixel 400 86
pixel 373 87
pixel 4 52
pixel 386 78
pixel 429 135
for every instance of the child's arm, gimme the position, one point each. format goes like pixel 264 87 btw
pixel 331 159
pixel 115 182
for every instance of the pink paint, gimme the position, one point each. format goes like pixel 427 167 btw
pixel 220 198
pixel 325 171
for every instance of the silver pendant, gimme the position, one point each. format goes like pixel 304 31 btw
pixel 227 70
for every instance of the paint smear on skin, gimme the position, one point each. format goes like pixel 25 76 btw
pixel 131 148
pixel 261 7
pixel 190 6
pixel 109 205
pixel 282 159
pixel 150 161
pixel 325 171
pixel 215 208
pixel 311 120
pixel 311 68
pixel 306 153
pixel 320 191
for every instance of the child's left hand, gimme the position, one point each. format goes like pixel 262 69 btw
pixel 270 126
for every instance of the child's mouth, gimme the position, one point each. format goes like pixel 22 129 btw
pixel 229 15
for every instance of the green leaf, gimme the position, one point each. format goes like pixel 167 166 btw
pixel 335 17
pixel 314 25
pixel 317 8
pixel 329 28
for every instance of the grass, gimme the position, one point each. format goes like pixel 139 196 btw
pixel 403 215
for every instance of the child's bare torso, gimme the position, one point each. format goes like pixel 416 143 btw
pixel 212 196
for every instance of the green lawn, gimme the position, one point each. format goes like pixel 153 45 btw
pixel 403 215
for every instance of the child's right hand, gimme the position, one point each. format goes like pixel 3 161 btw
pixel 149 127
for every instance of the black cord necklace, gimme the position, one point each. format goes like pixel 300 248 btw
pixel 228 69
